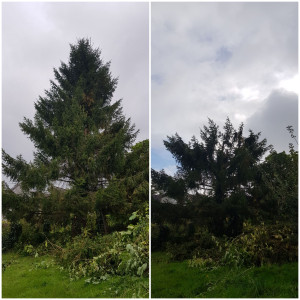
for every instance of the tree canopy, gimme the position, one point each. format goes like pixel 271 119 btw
pixel 220 171
pixel 222 163
pixel 79 134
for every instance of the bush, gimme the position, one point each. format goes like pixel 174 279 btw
pixel 12 232
pixel 201 244
pixel 202 263
pixel 60 235
pixel 268 243
pixel 121 253
pixel 159 236
pixel 181 251
pixel 30 234
pixel 235 257
pixel 257 245
pixel 6 243
pixel 29 250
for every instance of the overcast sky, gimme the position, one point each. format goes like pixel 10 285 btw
pixel 36 38
pixel 223 59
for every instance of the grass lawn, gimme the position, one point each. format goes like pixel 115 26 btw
pixel 29 277
pixel 177 280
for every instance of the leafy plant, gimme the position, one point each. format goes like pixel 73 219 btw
pixel 202 263
pixel 121 253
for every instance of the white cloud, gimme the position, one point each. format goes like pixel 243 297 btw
pixel 291 84
pixel 217 60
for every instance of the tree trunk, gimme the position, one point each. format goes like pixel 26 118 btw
pixel 104 224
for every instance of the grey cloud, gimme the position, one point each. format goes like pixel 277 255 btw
pixel 223 55
pixel 279 111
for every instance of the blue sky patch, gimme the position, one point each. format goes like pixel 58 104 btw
pixel 160 158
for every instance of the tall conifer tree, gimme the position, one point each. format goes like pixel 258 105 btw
pixel 80 136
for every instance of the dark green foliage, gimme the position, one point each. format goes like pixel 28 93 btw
pixel 168 212
pixel 15 207
pixel 276 193
pixel 10 235
pixel 258 245
pixel 119 253
pixel 128 190
pixel 215 177
pixel 227 217
pixel 5 235
pixel 159 236
pixel 182 250
pixel 174 187
pixel 224 162
pixel 80 136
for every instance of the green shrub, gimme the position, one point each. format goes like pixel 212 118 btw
pixel 257 245
pixel 28 235
pixel 5 228
pixel 5 235
pixel 29 250
pixel 235 257
pixel 261 244
pixel 155 241
pixel 60 235
pixel 181 251
pixel 201 244
pixel 12 232
pixel 121 253
pixel 202 263
pixel 269 243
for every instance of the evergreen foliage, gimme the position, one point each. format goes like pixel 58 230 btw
pixel 80 135
pixel 276 193
pixel 83 140
pixel 222 164
pixel 216 176
pixel 128 190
